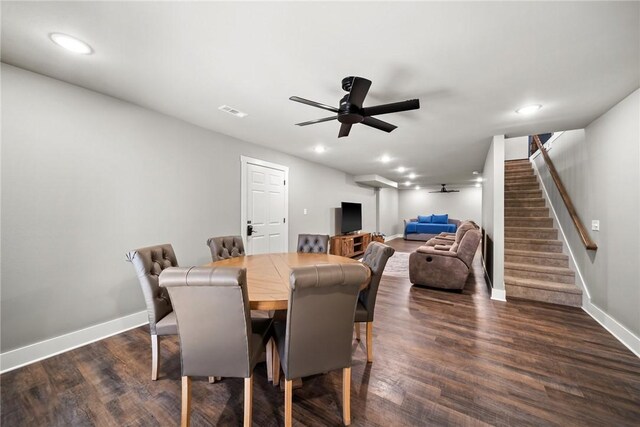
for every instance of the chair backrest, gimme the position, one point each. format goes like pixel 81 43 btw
pixel 313 243
pixel 322 304
pixel 149 262
pixel 225 247
pixel 212 312
pixel 462 230
pixel 466 250
pixel 375 257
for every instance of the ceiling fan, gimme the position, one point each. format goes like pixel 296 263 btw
pixel 351 110
pixel 444 190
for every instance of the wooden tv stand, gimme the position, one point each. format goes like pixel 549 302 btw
pixel 350 245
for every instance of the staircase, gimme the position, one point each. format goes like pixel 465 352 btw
pixel 535 267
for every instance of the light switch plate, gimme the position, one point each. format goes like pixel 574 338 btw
pixel 595 225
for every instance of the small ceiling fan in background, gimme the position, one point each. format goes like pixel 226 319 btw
pixel 351 110
pixel 444 190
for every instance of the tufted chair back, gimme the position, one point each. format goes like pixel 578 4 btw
pixel 313 243
pixel 226 247
pixel 149 263
pixel 375 257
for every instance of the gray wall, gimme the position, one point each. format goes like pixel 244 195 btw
pixel 87 177
pixel 467 204
pixel 600 168
pixel 388 209
pixel 516 148
pixel 493 206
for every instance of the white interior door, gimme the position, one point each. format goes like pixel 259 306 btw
pixel 265 225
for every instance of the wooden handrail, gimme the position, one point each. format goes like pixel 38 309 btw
pixel 582 230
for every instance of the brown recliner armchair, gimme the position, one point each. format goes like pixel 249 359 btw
pixel 445 269
pixel 225 247
pixel 448 239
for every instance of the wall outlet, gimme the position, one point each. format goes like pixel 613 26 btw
pixel 595 225
pixel 304 211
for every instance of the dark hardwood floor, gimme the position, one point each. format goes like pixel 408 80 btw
pixel 441 358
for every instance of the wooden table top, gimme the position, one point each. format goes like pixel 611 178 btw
pixel 268 275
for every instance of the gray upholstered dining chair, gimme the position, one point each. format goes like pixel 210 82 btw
pixel 225 247
pixel 149 262
pixel 313 243
pixel 217 335
pixel 375 257
pixel 310 341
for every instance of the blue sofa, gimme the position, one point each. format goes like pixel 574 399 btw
pixel 424 227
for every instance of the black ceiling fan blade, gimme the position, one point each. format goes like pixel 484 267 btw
pixel 345 128
pixel 314 104
pixel 394 107
pixel 378 124
pixel 310 122
pixel 359 89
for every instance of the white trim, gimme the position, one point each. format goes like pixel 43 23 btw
pixel 498 294
pixel 582 283
pixel 26 355
pixel 244 160
pixel 625 336
pixel 393 236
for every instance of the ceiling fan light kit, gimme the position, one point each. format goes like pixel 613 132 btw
pixel 351 110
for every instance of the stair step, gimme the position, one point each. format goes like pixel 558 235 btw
pixel 519 179
pixel 539 272
pixel 526 211
pixel 541 245
pixel 523 194
pixel 531 232
pixel 518 187
pixel 520 167
pixel 552 259
pixel 518 173
pixel 542 290
pixel 529 222
pixel 524 203
pixel 517 161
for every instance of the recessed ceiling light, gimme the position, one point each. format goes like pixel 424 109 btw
pixel 417 187
pixel 479 179
pixel 476 172
pixel 407 183
pixel 319 149
pixel 232 111
pixel 478 185
pixel 412 176
pixel 401 169
pixel 529 109
pixel 71 43
pixel 385 159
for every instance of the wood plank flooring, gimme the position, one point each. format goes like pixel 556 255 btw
pixel 440 358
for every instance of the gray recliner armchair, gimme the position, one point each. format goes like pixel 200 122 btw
pixel 225 247
pixel 217 335
pixel 375 257
pixel 149 262
pixel 313 243
pixel 317 335
pixel 446 269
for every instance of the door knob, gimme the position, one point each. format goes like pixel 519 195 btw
pixel 249 230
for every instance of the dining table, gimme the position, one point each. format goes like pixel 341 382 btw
pixel 268 275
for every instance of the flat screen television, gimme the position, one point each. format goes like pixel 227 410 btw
pixel 351 217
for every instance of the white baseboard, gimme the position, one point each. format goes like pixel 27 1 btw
pixel 26 355
pixel 498 294
pixel 625 336
pixel 394 236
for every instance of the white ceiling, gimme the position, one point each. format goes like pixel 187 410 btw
pixel 471 65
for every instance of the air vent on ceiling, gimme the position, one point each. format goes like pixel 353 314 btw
pixel 231 110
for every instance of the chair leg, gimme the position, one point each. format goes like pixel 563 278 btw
pixel 185 417
pixel 370 342
pixel 288 402
pixel 276 367
pixel 346 396
pixel 248 400
pixel 269 352
pixel 155 357
pixel 356 326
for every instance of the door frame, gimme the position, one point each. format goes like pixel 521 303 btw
pixel 244 161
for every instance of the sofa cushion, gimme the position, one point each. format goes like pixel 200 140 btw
pixel 440 219
pixel 425 219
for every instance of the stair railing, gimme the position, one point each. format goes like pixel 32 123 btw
pixel 582 230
